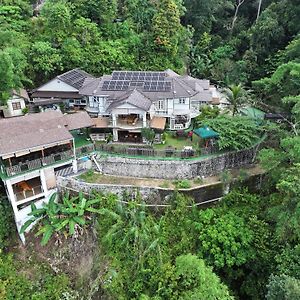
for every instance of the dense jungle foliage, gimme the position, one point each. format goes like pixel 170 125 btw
pixel 247 246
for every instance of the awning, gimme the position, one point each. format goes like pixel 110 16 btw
pixel 206 132
pixel 158 123
pixel 100 122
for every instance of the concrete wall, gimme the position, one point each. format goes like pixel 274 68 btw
pixel 174 169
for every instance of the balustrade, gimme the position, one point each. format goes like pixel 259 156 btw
pixel 38 163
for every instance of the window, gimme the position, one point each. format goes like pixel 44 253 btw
pixel 182 101
pixel 71 101
pixel 83 101
pixel 161 104
pixel 16 105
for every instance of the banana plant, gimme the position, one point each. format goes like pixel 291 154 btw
pixel 57 216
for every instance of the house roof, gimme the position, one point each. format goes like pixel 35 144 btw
pixel 180 86
pixel 74 78
pixel 36 130
pixel 38 95
pixel 21 93
pixel 78 120
pixel 101 122
pixel 133 97
pixel 158 123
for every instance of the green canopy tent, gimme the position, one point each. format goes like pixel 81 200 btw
pixel 206 133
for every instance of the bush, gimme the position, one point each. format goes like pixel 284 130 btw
pixel 182 184
pixel 25 110
pixel 6 222
pixel 236 133
pixel 42 284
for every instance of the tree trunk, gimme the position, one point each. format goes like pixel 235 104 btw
pixel 239 3
pixel 258 9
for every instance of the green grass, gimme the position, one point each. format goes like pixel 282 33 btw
pixel 178 142
pixel 80 140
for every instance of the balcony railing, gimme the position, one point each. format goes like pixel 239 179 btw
pixel 36 190
pixel 128 124
pixel 38 163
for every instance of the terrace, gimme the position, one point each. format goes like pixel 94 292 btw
pixel 129 121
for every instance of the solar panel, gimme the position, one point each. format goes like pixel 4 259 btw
pixel 157 86
pixel 138 75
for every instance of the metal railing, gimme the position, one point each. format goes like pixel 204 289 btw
pixel 38 163
pixel 147 151
pixel 36 190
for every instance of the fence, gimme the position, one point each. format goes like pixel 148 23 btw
pixel 81 151
pixel 146 151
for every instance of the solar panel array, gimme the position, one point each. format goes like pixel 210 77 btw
pixel 147 81
pixel 157 86
pixel 74 78
pixel 138 75
pixel 115 85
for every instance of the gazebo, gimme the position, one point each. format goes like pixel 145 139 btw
pixel 206 133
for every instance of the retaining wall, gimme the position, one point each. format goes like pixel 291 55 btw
pixel 151 195
pixel 175 169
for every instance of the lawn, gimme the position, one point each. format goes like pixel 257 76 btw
pixel 178 142
pixel 80 139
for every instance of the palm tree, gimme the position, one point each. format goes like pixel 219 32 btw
pixel 236 96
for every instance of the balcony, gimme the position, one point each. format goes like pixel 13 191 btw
pixel 132 121
pixel 37 163
pixel 28 190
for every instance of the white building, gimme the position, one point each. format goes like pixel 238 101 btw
pixel 127 101
pixel 63 89
pixel 33 149
pixel 16 104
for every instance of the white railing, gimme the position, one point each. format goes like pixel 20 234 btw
pixel 34 191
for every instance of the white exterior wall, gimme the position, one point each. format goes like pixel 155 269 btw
pixel 57 85
pixel 127 109
pixel 99 103
pixel 21 214
pixel 9 111
pixel 180 106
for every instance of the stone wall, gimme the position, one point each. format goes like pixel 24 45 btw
pixel 151 195
pixel 174 169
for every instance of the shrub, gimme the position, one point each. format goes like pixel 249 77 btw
pixel 182 184
pixel 25 110
pixel 42 284
pixel 6 221
pixel 67 216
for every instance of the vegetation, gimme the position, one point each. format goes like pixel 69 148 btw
pixel 247 246
pixel 236 132
pixel 6 223
pixel 41 284
pixel 68 216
